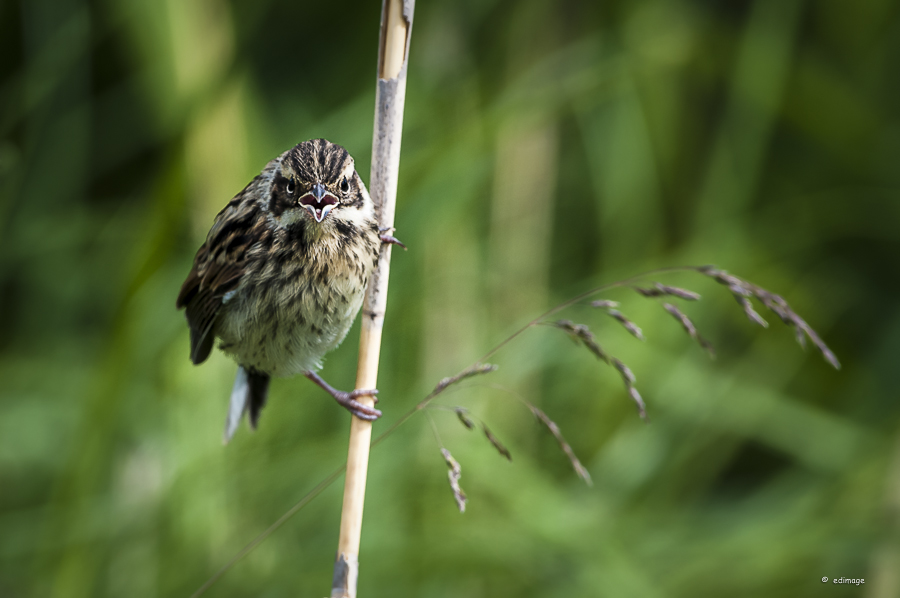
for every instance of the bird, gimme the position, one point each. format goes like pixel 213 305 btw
pixel 282 275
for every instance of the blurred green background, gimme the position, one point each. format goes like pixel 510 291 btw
pixel 548 147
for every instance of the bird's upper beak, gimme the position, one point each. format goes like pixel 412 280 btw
pixel 318 202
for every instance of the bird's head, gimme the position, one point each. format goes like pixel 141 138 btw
pixel 317 183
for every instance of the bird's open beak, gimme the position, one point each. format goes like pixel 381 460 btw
pixel 318 202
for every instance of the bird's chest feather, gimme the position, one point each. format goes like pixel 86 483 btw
pixel 297 301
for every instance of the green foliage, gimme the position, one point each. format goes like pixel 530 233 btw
pixel 548 147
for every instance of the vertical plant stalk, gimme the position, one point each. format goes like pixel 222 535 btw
pixel 393 52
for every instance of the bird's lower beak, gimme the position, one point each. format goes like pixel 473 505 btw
pixel 318 213
pixel 318 202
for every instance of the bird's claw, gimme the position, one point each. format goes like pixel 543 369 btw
pixel 364 392
pixel 349 402
pixel 390 239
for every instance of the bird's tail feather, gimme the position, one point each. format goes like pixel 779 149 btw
pixel 250 391
pixel 237 405
pixel 259 392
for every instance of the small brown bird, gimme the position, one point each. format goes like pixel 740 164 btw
pixel 283 273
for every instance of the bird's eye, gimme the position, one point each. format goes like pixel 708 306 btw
pixel 290 187
pixel 345 186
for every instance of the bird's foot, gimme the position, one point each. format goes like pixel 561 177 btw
pixel 348 399
pixel 388 239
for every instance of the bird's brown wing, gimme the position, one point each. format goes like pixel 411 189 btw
pixel 219 266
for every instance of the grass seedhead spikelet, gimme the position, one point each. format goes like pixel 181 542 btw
pixel 496 443
pixel 662 290
pixel 454 472
pixel 689 327
pixel 583 335
pixel 461 413
pixel 630 326
pixel 476 370
pixel 774 303
pixel 557 434
pixel 604 304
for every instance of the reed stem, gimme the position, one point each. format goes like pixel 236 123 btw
pixel 396 26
